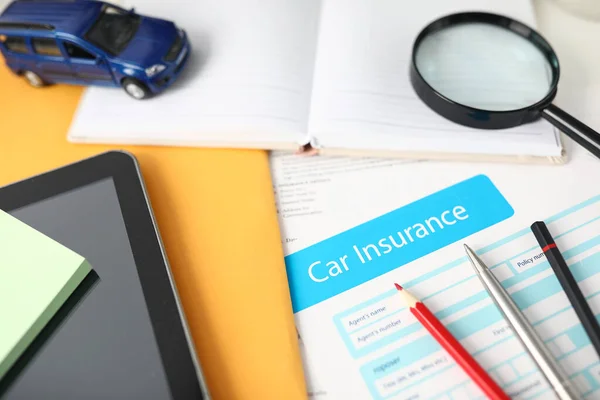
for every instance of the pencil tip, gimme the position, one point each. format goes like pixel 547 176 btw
pixel 408 299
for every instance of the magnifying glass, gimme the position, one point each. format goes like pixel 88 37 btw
pixel 488 71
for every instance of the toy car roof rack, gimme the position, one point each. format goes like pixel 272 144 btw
pixel 26 26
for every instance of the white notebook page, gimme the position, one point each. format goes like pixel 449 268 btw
pixel 248 79
pixel 363 99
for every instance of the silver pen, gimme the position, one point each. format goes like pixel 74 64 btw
pixel 524 331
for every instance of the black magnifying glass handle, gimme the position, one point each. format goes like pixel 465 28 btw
pixel 572 127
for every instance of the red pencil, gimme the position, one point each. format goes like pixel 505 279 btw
pixel 452 346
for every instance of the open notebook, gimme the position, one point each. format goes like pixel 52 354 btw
pixel 289 74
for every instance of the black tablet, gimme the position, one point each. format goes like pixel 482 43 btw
pixel 123 335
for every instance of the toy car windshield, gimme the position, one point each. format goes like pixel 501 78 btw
pixel 114 29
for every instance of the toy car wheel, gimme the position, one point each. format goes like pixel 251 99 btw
pixel 136 89
pixel 34 79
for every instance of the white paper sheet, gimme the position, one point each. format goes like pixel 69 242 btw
pixel 362 96
pixel 248 79
pixel 358 341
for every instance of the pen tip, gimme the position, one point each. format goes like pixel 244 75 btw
pixel 475 261
pixel 469 251
pixel 398 286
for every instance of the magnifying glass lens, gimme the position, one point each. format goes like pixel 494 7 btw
pixel 489 71
pixel 484 66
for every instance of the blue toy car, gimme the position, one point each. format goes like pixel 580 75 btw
pixel 88 42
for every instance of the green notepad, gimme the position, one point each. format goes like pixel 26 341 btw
pixel 37 275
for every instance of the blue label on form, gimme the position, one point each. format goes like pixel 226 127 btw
pixel 387 242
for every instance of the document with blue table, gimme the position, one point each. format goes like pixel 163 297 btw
pixel 351 228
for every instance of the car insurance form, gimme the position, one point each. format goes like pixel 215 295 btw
pixel 353 227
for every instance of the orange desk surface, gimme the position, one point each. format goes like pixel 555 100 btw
pixel 215 210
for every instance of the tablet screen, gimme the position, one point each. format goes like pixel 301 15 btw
pixel 105 348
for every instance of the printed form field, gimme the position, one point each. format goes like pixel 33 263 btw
pixel 413 361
